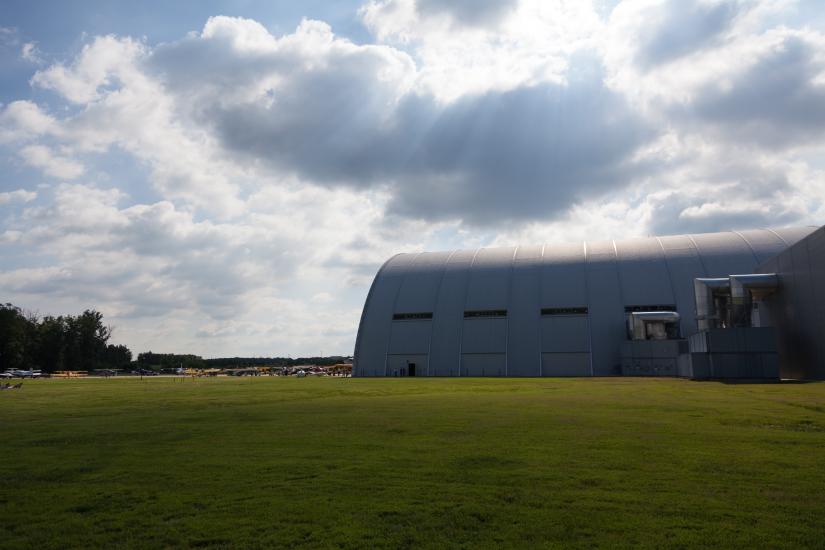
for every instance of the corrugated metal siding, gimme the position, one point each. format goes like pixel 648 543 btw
pixel 419 290
pixel 445 344
pixel 643 274
pixel 374 333
pixel 410 337
pixel 489 285
pixel 523 357
pixel 764 243
pixel 567 333
pixel 684 264
pixel 563 276
pixel 484 336
pixel 724 254
pixel 607 317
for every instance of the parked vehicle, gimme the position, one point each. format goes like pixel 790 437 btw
pixel 20 373
pixel 145 372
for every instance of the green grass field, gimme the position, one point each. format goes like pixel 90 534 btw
pixel 411 463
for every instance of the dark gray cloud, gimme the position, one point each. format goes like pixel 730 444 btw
pixel 468 12
pixel 729 196
pixel 775 103
pixel 340 115
pixel 526 154
pixel 523 154
pixel 667 218
pixel 686 27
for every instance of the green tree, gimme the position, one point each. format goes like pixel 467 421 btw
pixel 51 343
pixel 17 337
pixel 86 338
pixel 117 357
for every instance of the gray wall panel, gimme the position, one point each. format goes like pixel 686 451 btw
pixel 374 332
pixel 765 244
pixel 563 281
pixel 445 345
pixel 484 336
pixel 787 312
pixel 798 309
pixel 643 274
pixel 489 284
pixel 607 317
pixel 725 254
pixel 806 314
pixel 792 235
pixel 684 265
pixel 399 365
pixel 483 364
pixel 565 364
pixel 410 336
pixel 531 254
pixel 567 333
pixel 523 343
pixel 419 290
pixel 816 258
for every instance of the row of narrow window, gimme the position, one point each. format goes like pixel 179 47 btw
pixel 474 314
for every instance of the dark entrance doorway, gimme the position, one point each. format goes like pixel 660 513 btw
pixel 411 369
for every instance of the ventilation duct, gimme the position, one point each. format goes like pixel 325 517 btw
pixel 653 325
pixel 730 301
pixel 745 290
pixel 711 302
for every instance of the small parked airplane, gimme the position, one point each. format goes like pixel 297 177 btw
pixel 18 373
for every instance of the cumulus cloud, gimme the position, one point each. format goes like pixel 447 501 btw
pixel 25 120
pixel 40 156
pixel 778 102
pixel 30 53
pixel 103 63
pixel 477 47
pixel 661 32
pixel 158 261
pixel 18 195
pixel 469 12
pixel 336 113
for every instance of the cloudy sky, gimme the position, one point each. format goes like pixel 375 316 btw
pixel 225 178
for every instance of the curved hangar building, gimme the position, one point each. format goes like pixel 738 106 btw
pixel 545 310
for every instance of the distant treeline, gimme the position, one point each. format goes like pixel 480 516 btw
pixel 150 360
pixel 80 342
pixel 239 362
pixel 66 342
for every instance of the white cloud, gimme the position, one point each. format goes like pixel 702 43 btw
pixel 18 195
pixel 105 62
pixel 476 47
pixel 25 120
pixel 40 156
pixel 30 53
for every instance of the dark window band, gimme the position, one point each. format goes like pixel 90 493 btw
pixel 408 316
pixel 485 313
pixel 564 311
pixel 658 307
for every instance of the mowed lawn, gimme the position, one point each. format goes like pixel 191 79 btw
pixel 409 463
